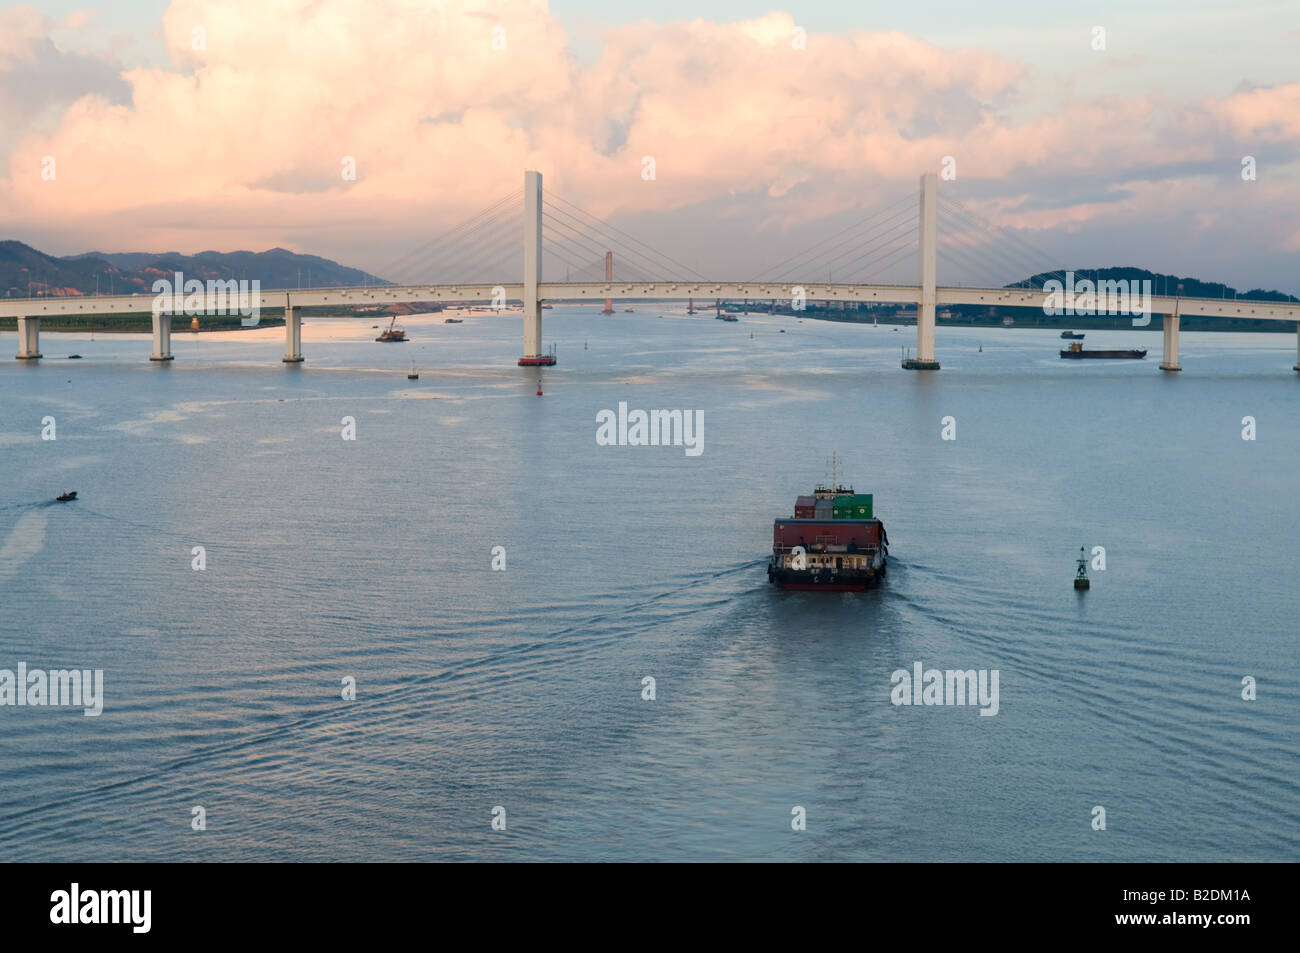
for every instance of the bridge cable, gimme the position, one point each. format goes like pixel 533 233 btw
pixel 631 238
pixel 769 273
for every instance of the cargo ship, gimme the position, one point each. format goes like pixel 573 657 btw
pixel 832 543
pixel 1072 335
pixel 1076 351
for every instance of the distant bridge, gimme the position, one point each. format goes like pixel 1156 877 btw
pixel 533 292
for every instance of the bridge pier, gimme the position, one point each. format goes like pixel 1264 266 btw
pixel 1296 367
pixel 928 242
pixel 1170 360
pixel 29 339
pixel 162 336
pixel 292 333
pixel 533 356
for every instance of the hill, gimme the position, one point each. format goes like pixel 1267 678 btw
pixel 23 267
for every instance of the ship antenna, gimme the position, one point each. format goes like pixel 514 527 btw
pixel 834 481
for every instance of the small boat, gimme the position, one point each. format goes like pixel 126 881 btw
pixel 413 374
pixel 628 310
pixel 1076 351
pixel 65 497
pixel 1072 336
pixel 453 321
pixel 74 357
pixel 393 334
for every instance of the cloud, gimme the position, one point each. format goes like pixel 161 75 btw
pixel 35 74
pixel 241 141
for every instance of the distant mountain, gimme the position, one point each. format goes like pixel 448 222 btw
pixel 135 272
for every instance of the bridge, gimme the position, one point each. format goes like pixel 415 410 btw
pixel 926 295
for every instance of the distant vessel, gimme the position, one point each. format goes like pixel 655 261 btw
pixel 627 309
pixel 392 334
pixel 727 317
pixel 413 374
pixel 74 357
pixel 833 543
pixel 1076 351
pixel 1072 335
pixel 65 497
pixel 453 321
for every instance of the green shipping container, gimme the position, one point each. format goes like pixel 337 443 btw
pixel 856 507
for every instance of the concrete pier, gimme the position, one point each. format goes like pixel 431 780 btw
pixel 1296 367
pixel 29 339
pixel 928 242
pixel 1170 360
pixel 292 333
pixel 162 336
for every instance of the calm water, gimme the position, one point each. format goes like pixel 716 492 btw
pixel 328 558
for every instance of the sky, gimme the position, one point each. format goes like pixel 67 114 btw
pixel 188 125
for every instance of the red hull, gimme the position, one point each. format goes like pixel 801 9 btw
pixel 823 587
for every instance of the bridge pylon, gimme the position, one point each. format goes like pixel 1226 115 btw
pixel 928 244
pixel 533 356
pixel 609 276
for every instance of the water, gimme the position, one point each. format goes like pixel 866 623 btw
pixel 370 559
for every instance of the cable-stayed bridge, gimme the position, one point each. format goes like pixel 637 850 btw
pixel 479 261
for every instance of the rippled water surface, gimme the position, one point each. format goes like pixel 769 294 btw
pixel 329 559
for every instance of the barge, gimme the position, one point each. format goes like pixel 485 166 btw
pixel 1077 352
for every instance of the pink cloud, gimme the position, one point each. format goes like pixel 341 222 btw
pixel 246 135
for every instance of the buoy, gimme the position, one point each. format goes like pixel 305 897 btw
pixel 584 345
pixel 1081 574
pixel 539 387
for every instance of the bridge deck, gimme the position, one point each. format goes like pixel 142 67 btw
pixel 634 291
